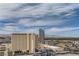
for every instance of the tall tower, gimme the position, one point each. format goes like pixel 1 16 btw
pixel 41 35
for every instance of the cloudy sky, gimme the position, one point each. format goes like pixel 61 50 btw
pixel 55 18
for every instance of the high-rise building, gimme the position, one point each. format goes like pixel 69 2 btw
pixel 41 35
pixel 24 42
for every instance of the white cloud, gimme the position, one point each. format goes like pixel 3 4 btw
pixel 9 24
pixel 11 29
pixel 24 21
pixel 70 14
pixel 62 29
pixel 42 22
pixel 37 12
pixel 5 10
pixel 31 31
pixel 8 28
pixel 44 9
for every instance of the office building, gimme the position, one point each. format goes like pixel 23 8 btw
pixel 41 35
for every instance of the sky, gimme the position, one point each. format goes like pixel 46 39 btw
pixel 60 19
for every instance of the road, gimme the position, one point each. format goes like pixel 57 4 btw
pixel 68 55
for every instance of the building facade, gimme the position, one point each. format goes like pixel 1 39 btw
pixel 24 42
pixel 41 35
pixel 4 49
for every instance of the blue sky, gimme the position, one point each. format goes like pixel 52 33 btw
pixel 61 19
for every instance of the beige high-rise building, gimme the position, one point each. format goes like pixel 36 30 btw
pixel 24 42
